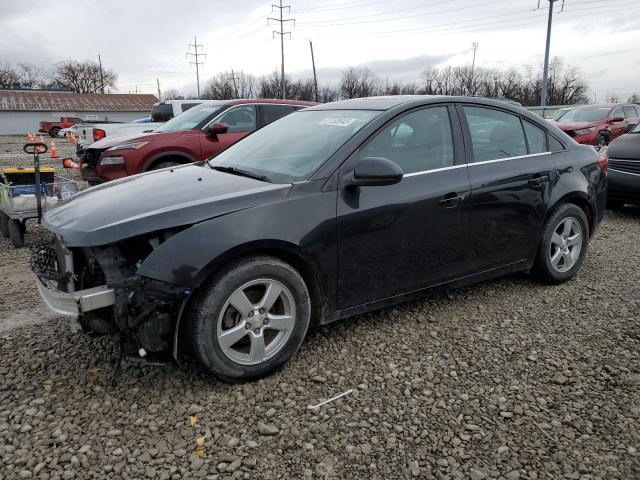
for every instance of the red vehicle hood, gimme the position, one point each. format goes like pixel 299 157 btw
pixel 565 127
pixel 139 137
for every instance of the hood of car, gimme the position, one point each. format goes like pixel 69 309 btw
pixel 113 141
pixel 626 147
pixel 575 125
pixel 153 202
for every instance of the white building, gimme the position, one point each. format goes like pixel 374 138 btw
pixel 21 111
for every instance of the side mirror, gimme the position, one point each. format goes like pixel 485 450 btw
pixel 376 171
pixel 629 127
pixel 216 129
pixel 616 119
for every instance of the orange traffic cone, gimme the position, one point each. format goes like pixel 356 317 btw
pixel 32 137
pixel 69 163
pixel 73 139
pixel 54 151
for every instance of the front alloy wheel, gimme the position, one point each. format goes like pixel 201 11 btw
pixel 256 321
pixel 249 318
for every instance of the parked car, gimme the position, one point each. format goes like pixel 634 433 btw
pixel 52 128
pixel 598 125
pixel 66 131
pixel 164 111
pixel 329 212
pixel 197 134
pixel 91 133
pixel 624 169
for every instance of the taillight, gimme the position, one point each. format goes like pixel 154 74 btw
pixel 603 160
pixel 98 133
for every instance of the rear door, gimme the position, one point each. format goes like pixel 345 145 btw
pixel 241 120
pixel 271 113
pixel 617 128
pixel 398 238
pixel 511 173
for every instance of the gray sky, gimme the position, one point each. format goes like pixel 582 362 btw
pixel 145 39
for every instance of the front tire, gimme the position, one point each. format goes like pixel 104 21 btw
pixel 563 246
pixel 54 132
pixel 250 318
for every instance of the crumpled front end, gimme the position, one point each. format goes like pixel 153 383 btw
pixel 99 286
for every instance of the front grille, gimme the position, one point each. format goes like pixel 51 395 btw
pixel 44 261
pixel 629 166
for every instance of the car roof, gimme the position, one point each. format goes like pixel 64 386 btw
pixel 388 102
pixel 241 101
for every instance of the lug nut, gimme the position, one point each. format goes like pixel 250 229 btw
pixel 250 314
pixel 256 331
pixel 247 326
pixel 266 321
pixel 261 311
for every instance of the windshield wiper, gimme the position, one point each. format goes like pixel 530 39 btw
pixel 241 172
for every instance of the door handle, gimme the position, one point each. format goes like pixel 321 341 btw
pixel 451 200
pixel 539 180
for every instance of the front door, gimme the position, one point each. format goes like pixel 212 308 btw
pixel 511 173
pixel 241 120
pixel 399 238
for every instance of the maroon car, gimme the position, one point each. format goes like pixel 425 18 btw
pixel 598 125
pixel 197 134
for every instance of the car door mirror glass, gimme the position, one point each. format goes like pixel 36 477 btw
pixel 217 129
pixel 376 171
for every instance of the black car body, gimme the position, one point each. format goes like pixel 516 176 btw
pixel 624 169
pixel 482 181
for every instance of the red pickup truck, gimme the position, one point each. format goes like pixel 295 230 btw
pixel 52 128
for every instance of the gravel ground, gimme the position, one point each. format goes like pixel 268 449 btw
pixel 506 379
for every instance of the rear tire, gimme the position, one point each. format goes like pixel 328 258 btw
pixel 54 132
pixel 4 225
pixel 249 342
pixel 563 246
pixel 161 165
pixel 16 233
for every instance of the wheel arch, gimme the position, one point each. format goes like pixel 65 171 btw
pixel 580 200
pixel 174 155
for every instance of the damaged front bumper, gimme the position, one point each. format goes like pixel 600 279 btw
pixel 76 303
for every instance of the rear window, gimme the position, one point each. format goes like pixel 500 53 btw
pixel 162 112
pixel 187 106
pixel 629 112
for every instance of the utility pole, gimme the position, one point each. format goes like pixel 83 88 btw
pixel 473 65
pixel 545 74
pixel 282 33
pixel 197 54
pixel 313 63
pixel 101 74
pixel 235 86
pixel 159 94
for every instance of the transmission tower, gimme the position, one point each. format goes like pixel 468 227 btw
pixel 197 63
pixel 282 33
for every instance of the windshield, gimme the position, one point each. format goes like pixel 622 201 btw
pixel 295 146
pixel 584 115
pixel 190 119
pixel 636 129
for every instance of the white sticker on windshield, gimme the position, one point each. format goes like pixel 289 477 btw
pixel 338 122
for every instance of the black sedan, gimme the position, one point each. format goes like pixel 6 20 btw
pixel 332 211
pixel 624 169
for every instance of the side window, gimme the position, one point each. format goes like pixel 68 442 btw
pixel 187 106
pixel 555 145
pixel 418 141
pixel 271 113
pixel 629 112
pixel 239 119
pixel 618 112
pixel 536 138
pixel 494 134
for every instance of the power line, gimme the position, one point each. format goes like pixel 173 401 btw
pixel 341 6
pixel 197 54
pixel 282 33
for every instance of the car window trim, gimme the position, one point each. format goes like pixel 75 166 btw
pixel 518 157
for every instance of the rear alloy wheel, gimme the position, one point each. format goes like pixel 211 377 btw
pixel 250 319
pixel 563 245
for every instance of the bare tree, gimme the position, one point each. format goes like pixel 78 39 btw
pixel 359 82
pixel 172 94
pixel 634 98
pixel 83 77
pixel 228 85
pixel 328 94
pixel 9 77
